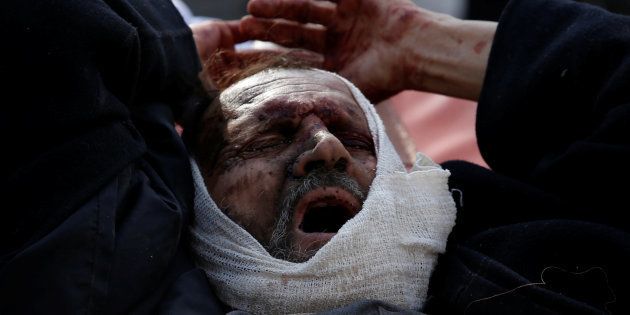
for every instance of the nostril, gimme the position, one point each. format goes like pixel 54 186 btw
pixel 341 165
pixel 313 165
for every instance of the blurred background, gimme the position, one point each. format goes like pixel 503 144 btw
pixel 223 9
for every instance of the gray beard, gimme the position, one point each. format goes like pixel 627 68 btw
pixel 281 243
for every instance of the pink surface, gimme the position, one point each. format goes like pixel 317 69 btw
pixel 441 127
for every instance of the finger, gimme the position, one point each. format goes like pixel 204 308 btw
pixel 285 33
pixel 211 36
pixel 234 28
pixel 224 32
pixel 303 11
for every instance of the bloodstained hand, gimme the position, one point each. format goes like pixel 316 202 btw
pixel 367 41
pixel 382 46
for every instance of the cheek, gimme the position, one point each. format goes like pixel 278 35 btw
pixel 248 195
pixel 366 169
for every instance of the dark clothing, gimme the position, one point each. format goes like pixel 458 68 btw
pixel 554 125
pixel 96 186
pixel 490 10
pixel 485 10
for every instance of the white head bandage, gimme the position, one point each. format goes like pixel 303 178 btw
pixel 386 252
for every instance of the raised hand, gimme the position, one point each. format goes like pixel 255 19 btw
pixel 383 46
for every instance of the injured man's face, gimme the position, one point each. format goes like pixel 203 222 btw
pixel 297 159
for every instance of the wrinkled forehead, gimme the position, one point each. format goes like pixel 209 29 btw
pixel 288 85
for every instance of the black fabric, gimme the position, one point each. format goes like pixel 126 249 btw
pixel 365 307
pixel 509 235
pixel 73 73
pixel 486 10
pixel 189 295
pixel 557 107
pixel 370 307
pixel 490 10
pixel 545 231
pixel 615 6
pixel 96 185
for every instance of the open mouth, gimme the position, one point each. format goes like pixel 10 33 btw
pixel 326 216
pixel 321 213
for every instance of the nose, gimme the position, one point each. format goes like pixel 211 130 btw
pixel 327 152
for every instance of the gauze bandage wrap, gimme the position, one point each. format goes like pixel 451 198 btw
pixel 386 252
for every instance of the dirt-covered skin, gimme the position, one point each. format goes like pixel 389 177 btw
pixel 281 125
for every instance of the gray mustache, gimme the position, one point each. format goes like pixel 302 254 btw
pixel 298 188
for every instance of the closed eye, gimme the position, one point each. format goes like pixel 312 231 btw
pixel 265 145
pixel 356 141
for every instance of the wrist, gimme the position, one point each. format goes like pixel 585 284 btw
pixel 449 55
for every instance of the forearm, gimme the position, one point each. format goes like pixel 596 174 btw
pixel 448 56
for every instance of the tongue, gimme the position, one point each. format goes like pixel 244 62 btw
pixel 326 219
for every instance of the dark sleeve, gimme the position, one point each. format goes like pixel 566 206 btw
pixel 88 87
pixel 516 249
pixel 555 108
pixel 545 231
pixel 95 181
pixel 76 79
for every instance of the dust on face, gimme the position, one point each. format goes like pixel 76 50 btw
pixel 292 130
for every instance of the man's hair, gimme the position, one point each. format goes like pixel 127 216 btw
pixel 224 68
pixel 204 127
